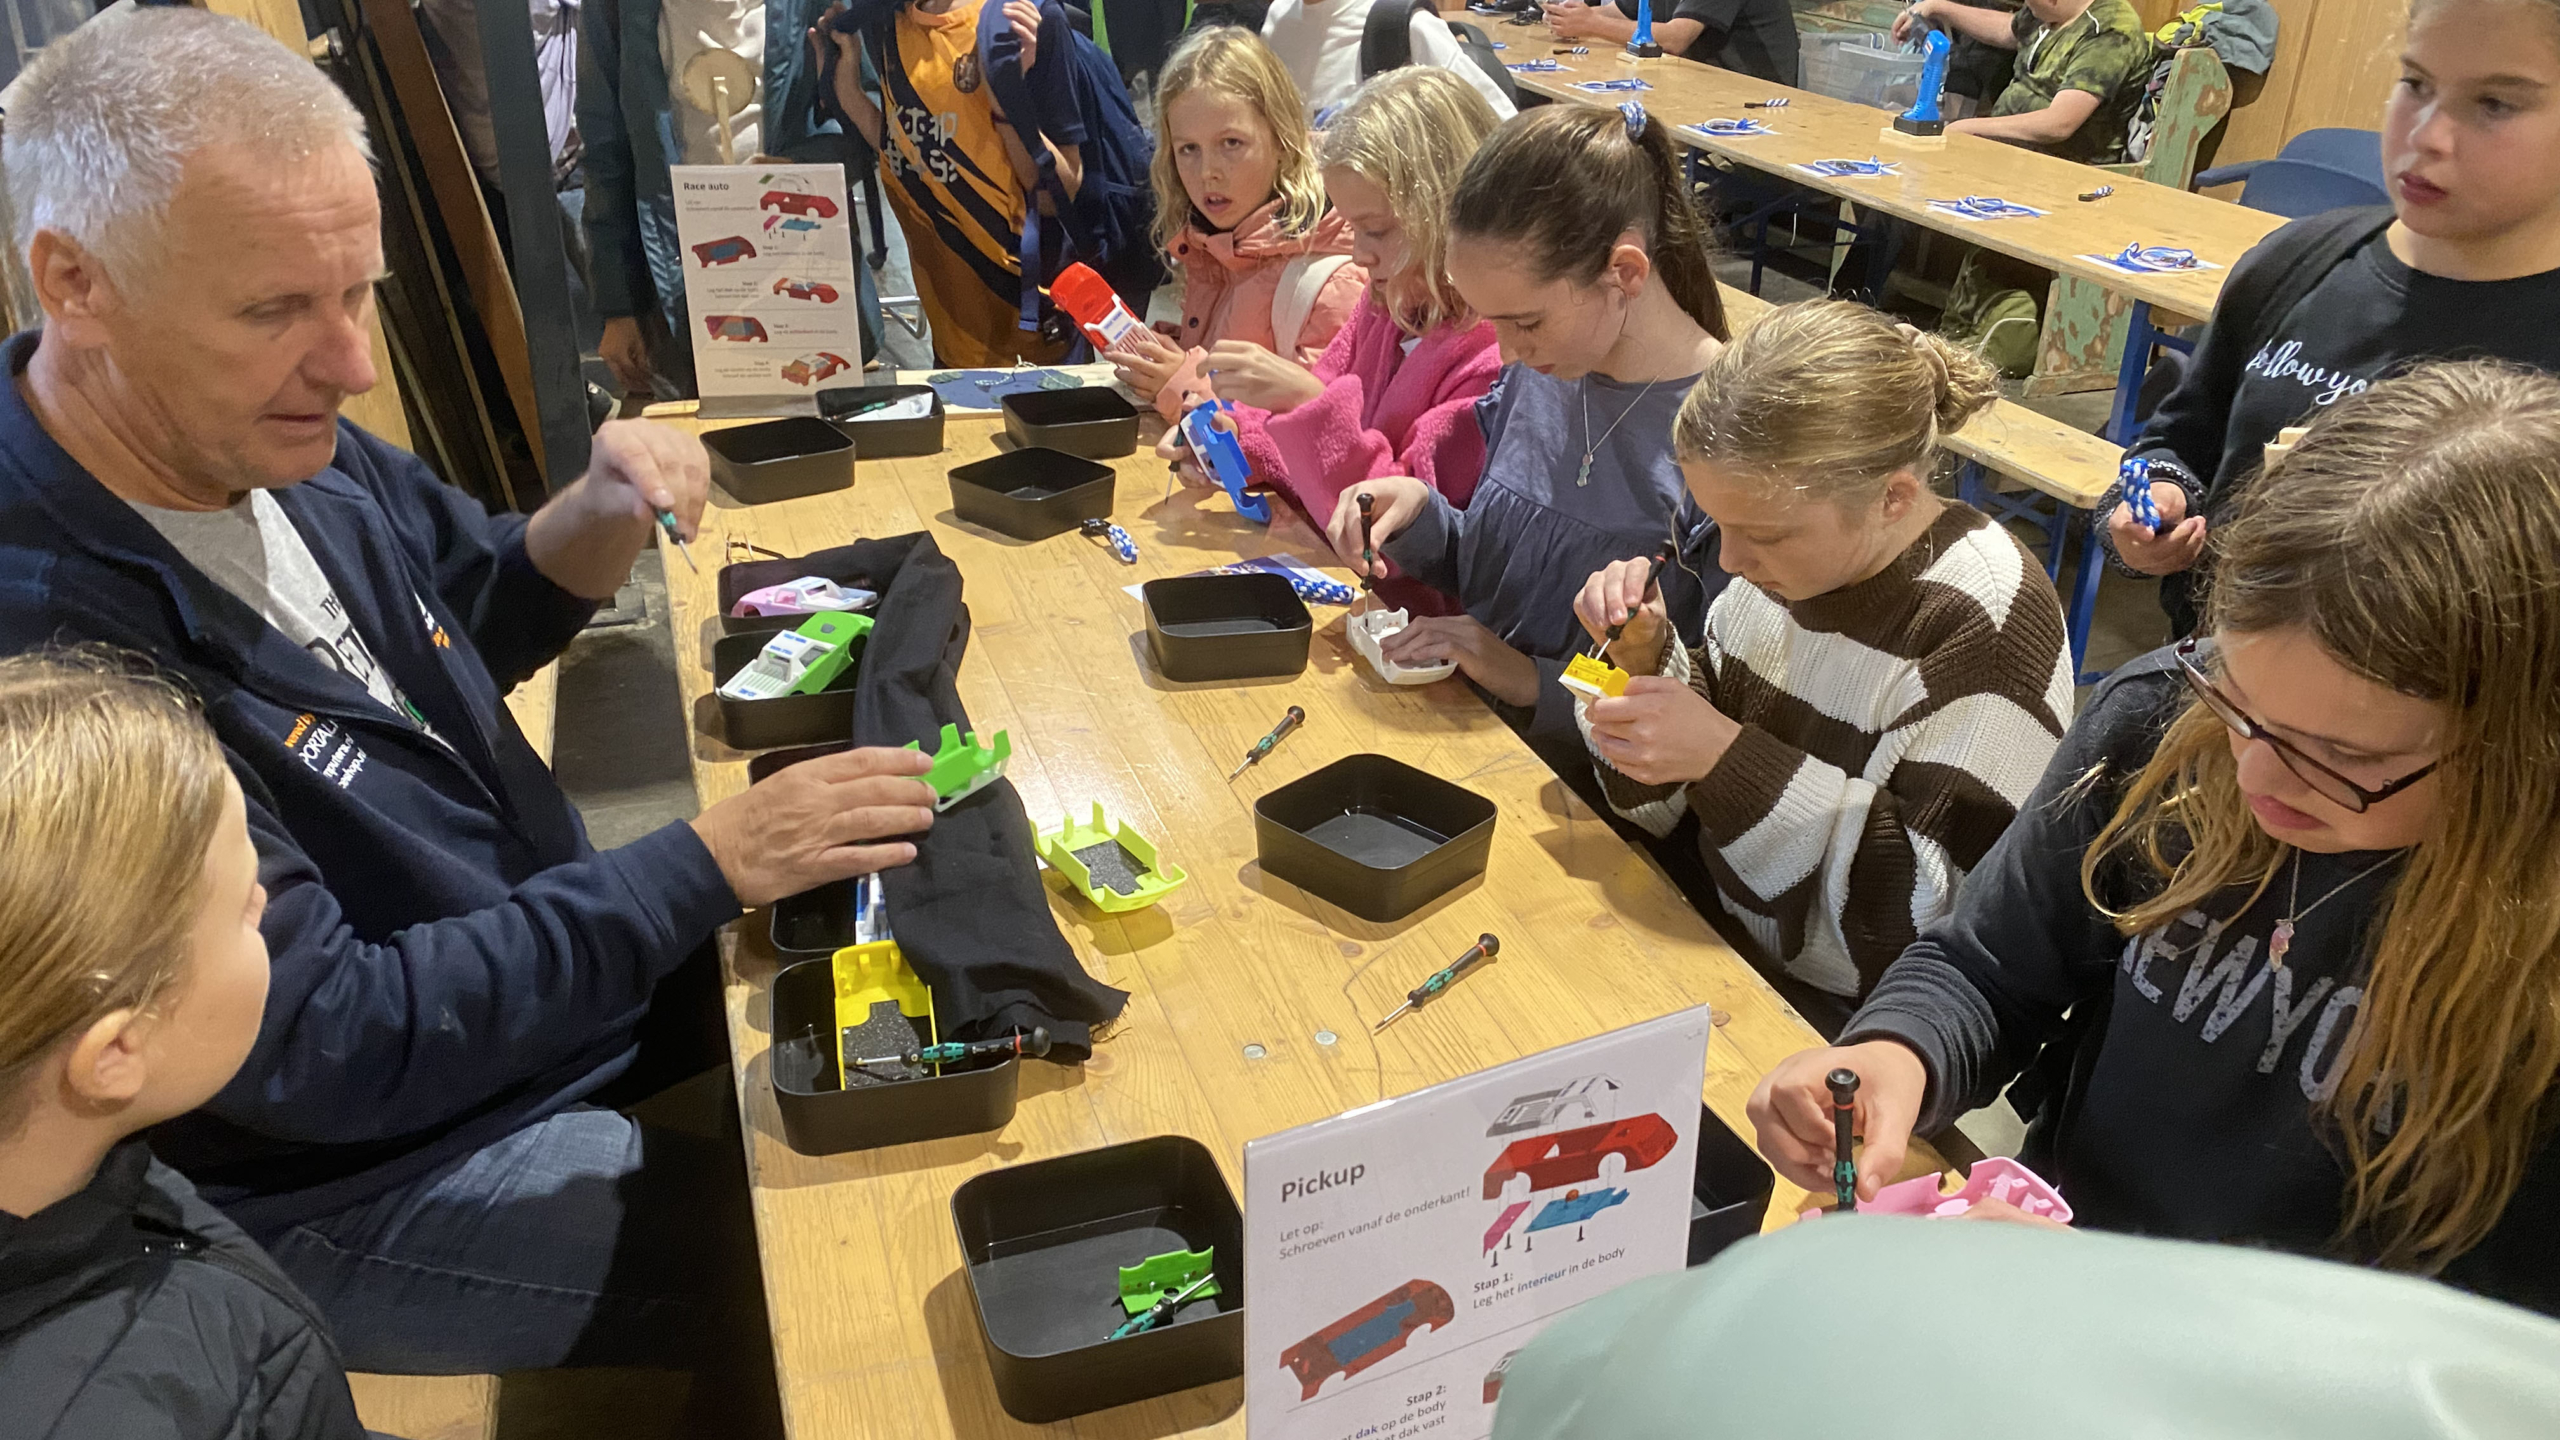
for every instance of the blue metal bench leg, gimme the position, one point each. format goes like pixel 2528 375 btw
pixel 2084 604
pixel 1970 487
pixel 2140 336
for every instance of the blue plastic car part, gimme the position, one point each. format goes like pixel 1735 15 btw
pixel 1923 117
pixel 2138 256
pixel 1219 451
pixel 1321 592
pixel 1989 207
pixel 1576 1210
pixel 1121 544
pixel 1389 1323
pixel 1862 169
pixel 2136 475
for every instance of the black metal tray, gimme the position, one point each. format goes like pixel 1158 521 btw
pixel 1095 422
pixel 1044 1244
pixel 1227 627
pixel 784 719
pixel 884 439
pixel 822 1117
pixel 1373 835
pixel 780 459
pixel 1032 494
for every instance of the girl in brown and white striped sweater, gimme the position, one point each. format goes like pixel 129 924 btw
pixel 1878 695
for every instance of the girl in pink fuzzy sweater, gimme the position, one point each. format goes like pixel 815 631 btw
pixel 1240 208
pixel 1395 393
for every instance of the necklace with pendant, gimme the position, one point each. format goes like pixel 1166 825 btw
pixel 2296 911
pixel 1591 447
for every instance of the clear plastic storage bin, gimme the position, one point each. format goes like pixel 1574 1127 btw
pixel 1861 66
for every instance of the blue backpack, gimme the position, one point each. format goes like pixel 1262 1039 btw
pixel 1073 96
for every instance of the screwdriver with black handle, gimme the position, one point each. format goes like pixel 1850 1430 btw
pixel 1652 575
pixel 1485 948
pixel 1291 721
pixel 1368 548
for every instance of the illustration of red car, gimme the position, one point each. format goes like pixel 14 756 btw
pixel 1571 1157
pixel 810 369
pixel 734 327
pixel 1493 1377
pixel 1367 1335
pixel 724 252
pixel 790 204
pixel 817 290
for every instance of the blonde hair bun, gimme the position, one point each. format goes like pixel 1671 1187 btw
pixel 1831 398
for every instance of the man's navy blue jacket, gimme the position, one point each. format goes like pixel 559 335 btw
pixel 452 960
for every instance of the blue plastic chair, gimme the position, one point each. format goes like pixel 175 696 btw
pixel 2327 169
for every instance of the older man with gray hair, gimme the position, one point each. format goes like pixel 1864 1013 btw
pixel 459 977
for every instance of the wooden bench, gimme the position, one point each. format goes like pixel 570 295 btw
pixel 428 1407
pixel 2069 465
pixel 456 1407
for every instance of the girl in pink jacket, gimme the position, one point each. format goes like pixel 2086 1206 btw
pixel 1240 208
pixel 1395 394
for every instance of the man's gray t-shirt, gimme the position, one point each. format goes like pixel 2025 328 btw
pixel 252 550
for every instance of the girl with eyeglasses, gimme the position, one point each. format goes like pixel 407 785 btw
pixel 2283 917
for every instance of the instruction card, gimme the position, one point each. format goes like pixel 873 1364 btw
pixel 768 279
pixel 1401 1253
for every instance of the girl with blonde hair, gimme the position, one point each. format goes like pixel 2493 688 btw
pixel 1879 688
pixel 1240 211
pixel 1573 234
pixel 2283 916
pixel 1395 393
pixel 132 978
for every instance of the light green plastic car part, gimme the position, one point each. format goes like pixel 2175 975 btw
pixel 962 768
pixel 1078 852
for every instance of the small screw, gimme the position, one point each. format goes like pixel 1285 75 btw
pixel 1254 1052
pixel 1326 1037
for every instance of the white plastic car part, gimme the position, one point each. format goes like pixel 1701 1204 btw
pixel 786 657
pixel 1370 628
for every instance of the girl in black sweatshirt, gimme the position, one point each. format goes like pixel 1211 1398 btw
pixel 2283 918
pixel 132 976
pixel 2465 263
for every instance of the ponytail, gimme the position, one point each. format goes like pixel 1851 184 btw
pixel 1563 182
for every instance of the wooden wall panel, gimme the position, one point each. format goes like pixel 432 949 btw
pixel 2257 127
pixel 378 410
pixel 2350 61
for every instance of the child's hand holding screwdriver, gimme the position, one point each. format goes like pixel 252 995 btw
pixel 1607 599
pixel 1395 501
pixel 1791 1110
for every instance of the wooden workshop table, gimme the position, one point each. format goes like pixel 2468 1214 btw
pixel 872 1325
pixel 1816 127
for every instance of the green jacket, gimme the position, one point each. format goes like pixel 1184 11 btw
pixel 2104 51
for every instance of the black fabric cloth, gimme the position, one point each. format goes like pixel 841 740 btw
pixel 133 1309
pixel 2316 312
pixel 970 913
pixel 1750 37
pixel 2181 1089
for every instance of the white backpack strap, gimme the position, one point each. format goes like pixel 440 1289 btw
pixel 1301 281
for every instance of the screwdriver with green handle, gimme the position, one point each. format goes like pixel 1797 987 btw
pixel 1291 721
pixel 1485 948
pixel 952 1052
pixel 1146 1319
pixel 667 522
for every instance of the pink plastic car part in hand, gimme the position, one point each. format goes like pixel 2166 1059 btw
pixel 1994 1178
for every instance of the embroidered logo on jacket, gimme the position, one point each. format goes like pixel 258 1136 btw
pixel 325 750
